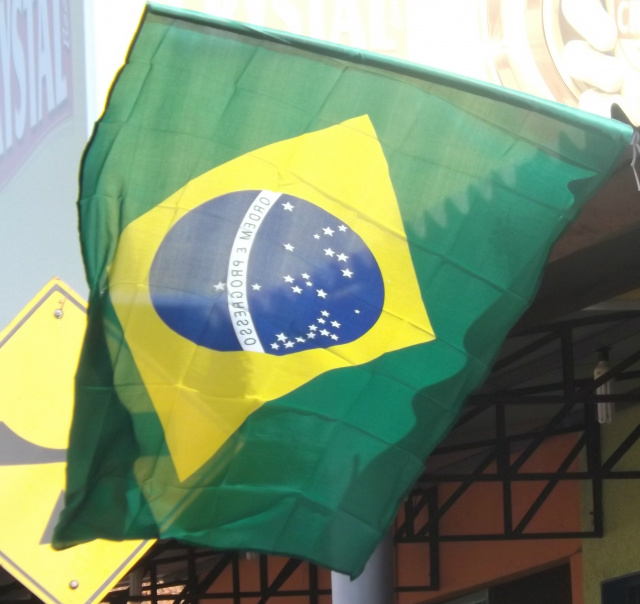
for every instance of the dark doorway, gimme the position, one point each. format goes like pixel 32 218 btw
pixel 622 590
pixel 552 586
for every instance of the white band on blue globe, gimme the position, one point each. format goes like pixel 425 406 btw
pixel 238 268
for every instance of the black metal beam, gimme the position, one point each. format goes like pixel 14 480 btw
pixel 535 476
pixel 282 577
pixel 210 578
pixel 411 511
pixel 434 541
pixel 314 593
pixel 585 398
pixel 523 352
pixel 622 449
pixel 433 520
pixel 235 577
pixel 548 488
pixel 511 438
pixel 503 464
pixel 468 414
pixel 546 432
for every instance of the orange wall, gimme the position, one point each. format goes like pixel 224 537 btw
pixel 469 566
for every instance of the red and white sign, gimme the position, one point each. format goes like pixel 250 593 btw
pixel 35 76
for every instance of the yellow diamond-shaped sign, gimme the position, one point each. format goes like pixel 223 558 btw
pixel 39 353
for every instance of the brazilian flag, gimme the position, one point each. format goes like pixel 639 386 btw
pixel 302 259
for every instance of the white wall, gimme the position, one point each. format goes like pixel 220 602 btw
pixel 43 130
pixel 572 51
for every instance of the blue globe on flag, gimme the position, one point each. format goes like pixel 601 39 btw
pixel 265 272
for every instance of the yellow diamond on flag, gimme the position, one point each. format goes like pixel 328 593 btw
pixel 205 377
pixel 39 353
